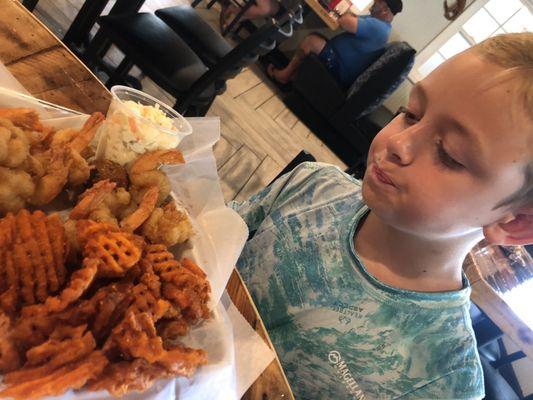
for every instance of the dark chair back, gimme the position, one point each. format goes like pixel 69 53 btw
pixel 379 80
pixel 226 66
pixel 207 43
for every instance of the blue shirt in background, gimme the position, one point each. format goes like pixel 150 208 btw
pixel 339 332
pixel 356 51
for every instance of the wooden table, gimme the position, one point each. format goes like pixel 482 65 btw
pixel 49 71
pixel 330 20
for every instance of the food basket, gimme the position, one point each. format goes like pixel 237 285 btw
pixel 219 237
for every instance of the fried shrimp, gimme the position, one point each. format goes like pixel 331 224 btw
pixel 51 183
pixel 79 171
pixel 144 171
pixel 87 132
pixel 147 205
pixel 91 199
pixel 168 225
pixel 14 145
pixel 16 187
pixel 24 118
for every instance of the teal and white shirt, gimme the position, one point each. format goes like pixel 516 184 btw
pixel 339 332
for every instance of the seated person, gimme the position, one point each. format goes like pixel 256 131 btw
pixel 347 55
pixel 260 9
pixel 360 284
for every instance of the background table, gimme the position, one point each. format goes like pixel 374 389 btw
pixel 331 21
pixel 50 71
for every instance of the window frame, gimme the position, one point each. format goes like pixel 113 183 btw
pixel 453 28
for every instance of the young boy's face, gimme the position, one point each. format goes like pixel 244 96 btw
pixel 439 170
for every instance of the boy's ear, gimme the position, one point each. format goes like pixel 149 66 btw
pixel 513 232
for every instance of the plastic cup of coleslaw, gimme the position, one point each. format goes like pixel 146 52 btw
pixel 136 123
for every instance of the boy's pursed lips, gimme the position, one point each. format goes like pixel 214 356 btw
pixel 381 176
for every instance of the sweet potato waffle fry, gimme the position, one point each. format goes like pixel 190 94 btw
pixel 33 250
pixel 110 322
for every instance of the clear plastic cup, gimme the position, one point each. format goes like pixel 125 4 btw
pixel 125 134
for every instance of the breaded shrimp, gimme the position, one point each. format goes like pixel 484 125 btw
pixel 147 205
pixel 24 118
pixel 87 132
pixel 91 199
pixel 168 225
pixel 51 183
pixel 143 171
pixel 14 145
pixel 16 187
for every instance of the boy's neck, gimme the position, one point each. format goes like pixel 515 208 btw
pixel 405 261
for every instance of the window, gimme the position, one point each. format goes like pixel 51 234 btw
pixel 362 5
pixel 493 18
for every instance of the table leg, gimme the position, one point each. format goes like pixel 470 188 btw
pixel 100 41
pixel 83 22
pixel 80 28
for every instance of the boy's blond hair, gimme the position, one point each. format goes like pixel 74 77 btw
pixel 514 52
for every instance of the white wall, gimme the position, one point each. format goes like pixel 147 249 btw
pixel 418 24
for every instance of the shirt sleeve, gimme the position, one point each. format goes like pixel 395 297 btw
pixel 372 29
pixel 364 27
pixel 465 383
pixel 258 207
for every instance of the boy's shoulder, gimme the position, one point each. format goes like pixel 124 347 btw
pixel 308 173
pixel 313 182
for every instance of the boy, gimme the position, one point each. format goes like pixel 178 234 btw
pixel 361 289
pixel 348 54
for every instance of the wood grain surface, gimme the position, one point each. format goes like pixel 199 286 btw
pixel 43 65
pixel 273 383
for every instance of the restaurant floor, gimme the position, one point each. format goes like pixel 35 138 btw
pixel 259 134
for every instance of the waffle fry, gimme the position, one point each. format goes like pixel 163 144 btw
pixel 9 357
pixel 129 323
pixel 126 376
pixel 79 282
pixel 54 353
pixel 47 252
pixel 32 258
pixel 184 284
pixel 69 376
pixel 115 251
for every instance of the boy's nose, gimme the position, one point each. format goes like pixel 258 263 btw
pixel 400 148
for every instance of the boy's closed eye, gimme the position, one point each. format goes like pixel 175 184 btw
pixel 446 159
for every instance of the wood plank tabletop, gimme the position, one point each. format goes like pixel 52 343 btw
pixel 273 383
pixel 331 21
pixel 50 71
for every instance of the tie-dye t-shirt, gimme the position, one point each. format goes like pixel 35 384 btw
pixel 339 332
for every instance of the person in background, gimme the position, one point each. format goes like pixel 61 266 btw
pixel 260 9
pixel 348 54
pixel 360 284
